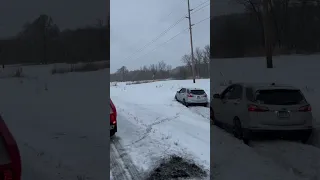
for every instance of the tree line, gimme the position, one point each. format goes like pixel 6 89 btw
pixel 295 28
pixel 41 42
pixel 161 70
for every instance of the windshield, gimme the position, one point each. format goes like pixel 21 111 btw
pixel 197 92
pixel 279 97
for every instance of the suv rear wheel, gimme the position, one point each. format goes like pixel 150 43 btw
pixel 238 131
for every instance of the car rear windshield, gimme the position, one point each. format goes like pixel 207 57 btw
pixel 197 92
pixel 279 97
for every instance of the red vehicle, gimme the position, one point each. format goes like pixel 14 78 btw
pixel 10 161
pixel 113 119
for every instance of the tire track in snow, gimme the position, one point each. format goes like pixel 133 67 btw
pixel 122 167
pixel 302 160
pixel 149 128
pixel 202 111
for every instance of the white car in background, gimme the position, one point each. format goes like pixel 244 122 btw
pixel 192 96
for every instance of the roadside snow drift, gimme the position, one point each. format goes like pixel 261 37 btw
pixel 153 126
pixel 60 122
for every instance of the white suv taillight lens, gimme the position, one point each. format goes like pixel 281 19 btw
pixel 111 111
pixel 254 108
pixel 7 175
pixel 306 108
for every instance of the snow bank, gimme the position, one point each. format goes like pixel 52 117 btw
pixel 152 125
pixel 59 122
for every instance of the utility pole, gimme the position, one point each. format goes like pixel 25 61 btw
pixel 267 32
pixel 191 43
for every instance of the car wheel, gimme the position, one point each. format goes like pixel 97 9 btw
pixel 238 131
pixel 212 116
pixel 185 103
pixel 305 138
pixel 112 133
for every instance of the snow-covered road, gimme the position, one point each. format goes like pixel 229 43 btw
pixel 62 131
pixel 153 126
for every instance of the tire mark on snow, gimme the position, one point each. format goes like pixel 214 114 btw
pixel 197 111
pixel 149 128
pixel 116 165
pixel 282 153
pixel 124 168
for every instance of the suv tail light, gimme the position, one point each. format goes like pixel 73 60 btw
pixel 111 110
pixel 190 95
pixel 113 119
pixel 113 113
pixel 205 95
pixel 6 175
pixel 306 108
pixel 254 108
pixel 10 170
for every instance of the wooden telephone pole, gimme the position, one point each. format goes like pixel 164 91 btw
pixel 191 43
pixel 267 32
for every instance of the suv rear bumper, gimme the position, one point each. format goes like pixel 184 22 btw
pixel 287 134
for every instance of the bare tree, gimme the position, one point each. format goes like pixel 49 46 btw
pixel 198 60
pixel 187 60
pixel 123 71
pixel 206 58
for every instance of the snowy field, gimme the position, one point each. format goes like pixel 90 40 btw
pixel 152 125
pixel 60 122
pixel 268 160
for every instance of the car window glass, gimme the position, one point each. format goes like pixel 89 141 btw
pixel 227 92
pixel 249 94
pixel 236 93
pixel 183 90
pixel 280 97
pixel 197 92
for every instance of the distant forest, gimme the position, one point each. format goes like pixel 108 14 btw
pixel 295 25
pixel 42 42
pixel 161 70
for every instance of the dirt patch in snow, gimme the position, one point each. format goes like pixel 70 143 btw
pixel 176 167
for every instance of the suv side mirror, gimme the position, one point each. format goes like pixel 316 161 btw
pixel 178 91
pixel 216 96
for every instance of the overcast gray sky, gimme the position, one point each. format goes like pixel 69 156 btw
pixel 66 14
pixel 135 23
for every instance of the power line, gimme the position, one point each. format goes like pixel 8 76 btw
pixel 200 8
pixel 158 37
pixel 170 14
pixel 165 31
pixel 201 21
pixel 201 4
pixel 162 44
pixel 166 42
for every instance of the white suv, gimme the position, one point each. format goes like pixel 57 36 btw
pixel 263 108
pixel 191 96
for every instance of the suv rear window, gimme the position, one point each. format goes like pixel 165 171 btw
pixel 197 92
pixel 279 97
